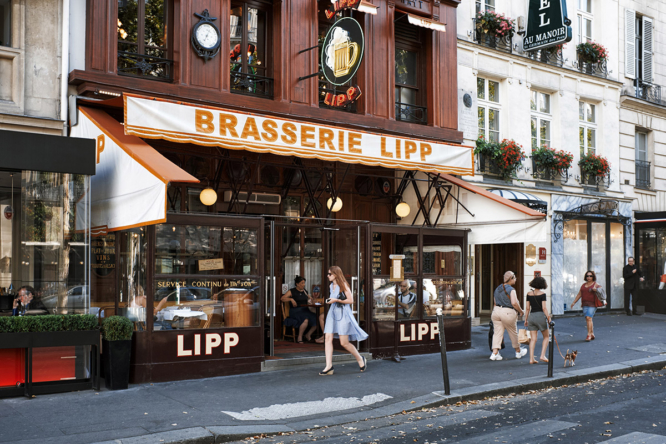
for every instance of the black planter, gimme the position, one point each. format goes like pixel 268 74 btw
pixel 116 363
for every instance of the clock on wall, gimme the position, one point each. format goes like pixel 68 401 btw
pixel 206 37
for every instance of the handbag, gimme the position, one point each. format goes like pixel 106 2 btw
pixel 600 300
pixel 523 337
pixel 663 278
pixel 491 333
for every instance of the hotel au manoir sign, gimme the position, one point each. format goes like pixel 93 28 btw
pixel 547 25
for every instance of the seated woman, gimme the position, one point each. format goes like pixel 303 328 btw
pixel 300 315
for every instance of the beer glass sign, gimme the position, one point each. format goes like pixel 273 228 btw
pixel 342 51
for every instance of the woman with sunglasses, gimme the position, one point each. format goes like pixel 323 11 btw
pixel 588 297
pixel 340 321
pixel 505 316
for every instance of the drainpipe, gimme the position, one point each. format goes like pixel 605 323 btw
pixel 64 69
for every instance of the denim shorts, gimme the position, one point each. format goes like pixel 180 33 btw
pixel 589 311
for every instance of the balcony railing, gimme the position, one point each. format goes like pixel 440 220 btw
pixel 550 174
pixel 595 181
pixel 642 174
pixel 487 166
pixel 499 43
pixel 553 58
pixel 141 65
pixel 648 91
pixel 251 84
pixel 405 112
pixel 596 69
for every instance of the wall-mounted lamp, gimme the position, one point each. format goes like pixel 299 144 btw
pixel 208 196
pixel 402 209
pixel 334 207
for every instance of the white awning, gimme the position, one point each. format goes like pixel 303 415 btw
pixel 509 232
pixel 129 188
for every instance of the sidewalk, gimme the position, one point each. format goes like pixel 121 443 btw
pixel 194 411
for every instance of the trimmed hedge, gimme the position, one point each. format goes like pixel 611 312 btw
pixel 46 323
pixel 117 328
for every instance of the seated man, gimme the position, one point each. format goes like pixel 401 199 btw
pixel 25 302
pixel 406 300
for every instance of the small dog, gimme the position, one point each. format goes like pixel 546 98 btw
pixel 570 358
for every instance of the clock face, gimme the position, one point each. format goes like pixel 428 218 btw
pixel 207 36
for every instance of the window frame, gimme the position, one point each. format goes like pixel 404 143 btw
pixel 482 6
pixel 540 117
pixel 488 105
pixel 581 16
pixel 646 151
pixel 586 126
pixel 419 47
pixel 10 25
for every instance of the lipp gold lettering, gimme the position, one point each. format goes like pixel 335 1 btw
pixel 426 150
pixel 383 152
pixel 410 148
pixel 101 142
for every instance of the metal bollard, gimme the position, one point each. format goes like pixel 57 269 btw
pixel 551 351
pixel 442 346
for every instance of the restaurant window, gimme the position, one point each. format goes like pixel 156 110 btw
pixel 443 259
pixel 485 5
pixel 540 119
pixel 487 93
pixel 410 70
pixel 205 277
pixel 250 50
pixel 5 22
pixel 584 21
pixel 132 297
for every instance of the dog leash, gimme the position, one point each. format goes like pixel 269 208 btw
pixel 558 347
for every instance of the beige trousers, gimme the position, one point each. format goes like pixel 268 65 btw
pixel 504 318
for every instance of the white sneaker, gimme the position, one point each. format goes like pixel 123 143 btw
pixel 523 352
pixel 495 357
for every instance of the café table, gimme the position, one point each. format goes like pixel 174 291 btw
pixel 317 306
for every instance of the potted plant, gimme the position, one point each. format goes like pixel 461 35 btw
pixel 592 165
pixel 116 349
pixel 551 160
pixel 505 157
pixel 494 24
pixel 591 52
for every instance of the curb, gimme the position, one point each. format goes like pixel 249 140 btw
pixel 222 434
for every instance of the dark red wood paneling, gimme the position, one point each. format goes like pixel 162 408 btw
pixel 206 74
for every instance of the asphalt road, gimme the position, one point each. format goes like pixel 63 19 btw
pixel 628 409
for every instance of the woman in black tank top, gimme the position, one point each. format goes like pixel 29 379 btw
pixel 300 316
pixel 537 317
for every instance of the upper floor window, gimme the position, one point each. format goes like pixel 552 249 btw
pixel 410 71
pixel 5 22
pixel 142 39
pixel 587 130
pixel 642 164
pixel 638 51
pixel 250 51
pixel 540 118
pixel 487 93
pixel 584 21
pixel 485 5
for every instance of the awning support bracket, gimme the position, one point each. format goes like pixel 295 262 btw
pixel 335 192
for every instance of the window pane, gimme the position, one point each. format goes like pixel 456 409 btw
pixel 5 23
pixel 533 124
pixel 155 24
pixel 493 91
pixel 479 6
pixel 598 258
pixel 581 140
pixel 617 257
pixel 482 119
pixel 591 143
pixel 179 248
pixel 256 51
pixel 544 103
pixel 408 96
pixel 494 124
pixel 133 268
pixel 533 100
pixel 641 146
pixel 580 29
pixel 544 132
pixel 407 244
pixel 195 303
pixel 383 298
pixel 481 88
pixel 575 259
pixel 581 111
pixel 405 67
pixel 591 115
pixel 128 21
pixel 406 299
pixel 235 37
pixel 447 294
pixel 441 258
pixel 240 251
pixel 588 29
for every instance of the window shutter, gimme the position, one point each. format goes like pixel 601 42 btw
pixel 630 44
pixel 647 50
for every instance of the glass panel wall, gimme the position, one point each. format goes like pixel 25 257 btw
pixel 617 261
pixel 651 256
pixel 575 259
pixel 447 294
pixel 133 267
pixel 598 248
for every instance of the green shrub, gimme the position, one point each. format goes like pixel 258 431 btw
pixel 117 328
pixel 45 323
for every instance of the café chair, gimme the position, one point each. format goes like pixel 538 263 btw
pixel 285 315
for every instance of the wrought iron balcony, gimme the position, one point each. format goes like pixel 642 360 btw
pixel 491 41
pixel 595 181
pixel 251 84
pixel 142 65
pixel 596 69
pixel 541 173
pixel 553 58
pixel 648 91
pixel 487 166
pixel 642 174
pixel 405 112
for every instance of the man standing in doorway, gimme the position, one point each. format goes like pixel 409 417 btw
pixel 631 275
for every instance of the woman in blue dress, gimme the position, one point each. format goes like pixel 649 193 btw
pixel 340 321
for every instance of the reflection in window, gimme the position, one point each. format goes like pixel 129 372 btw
pixel 248 60
pixel 447 294
pixel 575 259
pixel 179 248
pixel 444 260
pixel 407 244
pixel 206 303
pixel 407 300
pixel 617 257
pixel 383 300
pixel 133 299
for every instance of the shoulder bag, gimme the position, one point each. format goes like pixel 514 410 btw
pixel 601 297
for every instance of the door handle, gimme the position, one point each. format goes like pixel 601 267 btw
pixel 267 301
pixel 273 296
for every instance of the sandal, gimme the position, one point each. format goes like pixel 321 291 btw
pixel 588 339
pixel 318 340
pixel 534 362
pixel 300 342
pixel 543 359
pixel 593 337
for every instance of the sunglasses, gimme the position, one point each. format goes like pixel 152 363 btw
pixel 589 276
pixel 330 274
